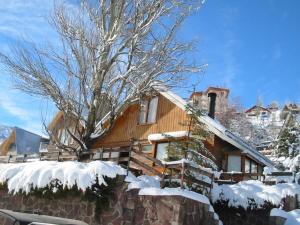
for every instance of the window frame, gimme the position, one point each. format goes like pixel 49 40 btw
pixel 146 119
pixel 251 166
pixel 240 163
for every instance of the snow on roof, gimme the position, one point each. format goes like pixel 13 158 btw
pixel 243 193
pixel 215 127
pixel 25 176
pixel 166 135
pixel 292 217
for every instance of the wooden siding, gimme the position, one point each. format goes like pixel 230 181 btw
pixel 169 118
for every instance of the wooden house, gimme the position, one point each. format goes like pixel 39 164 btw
pixel 149 123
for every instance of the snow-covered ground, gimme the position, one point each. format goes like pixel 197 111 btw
pixel 246 193
pixel 292 217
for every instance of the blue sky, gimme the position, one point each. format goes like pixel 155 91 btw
pixel 251 47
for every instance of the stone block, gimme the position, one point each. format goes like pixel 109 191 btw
pixel 277 220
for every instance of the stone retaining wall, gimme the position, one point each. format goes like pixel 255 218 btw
pixel 238 216
pixel 126 208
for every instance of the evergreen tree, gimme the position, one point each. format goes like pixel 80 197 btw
pixel 289 142
pixel 193 148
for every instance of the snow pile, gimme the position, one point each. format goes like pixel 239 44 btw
pixel 253 193
pixel 292 163
pixel 150 185
pixel 174 192
pixel 269 170
pixel 292 217
pixel 162 136
pixel 278 179
pixel 143 181
pixel 25 176
pixel 217 174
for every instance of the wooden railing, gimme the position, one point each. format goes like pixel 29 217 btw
pixel 181 171
pixel 278 174
pixel 188 175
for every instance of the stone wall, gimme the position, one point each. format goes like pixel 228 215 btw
pixel 238 216
pixel 67 207
pixel 132 209
pixel 126 208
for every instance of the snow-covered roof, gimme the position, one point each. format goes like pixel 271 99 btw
pixel 218 129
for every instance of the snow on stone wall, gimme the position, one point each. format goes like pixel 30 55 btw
pixel 25 176
pixel 253 193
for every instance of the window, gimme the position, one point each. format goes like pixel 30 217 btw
pixel 250 166
pixel 143 111
pixel 234 163
pixel 247 166
pixel 65 136
pixel 169 151
pixel 253 167
pixel 162 151
pixel 147 149
pixel 148 110
pixel 152 110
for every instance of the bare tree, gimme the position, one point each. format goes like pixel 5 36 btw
pixel 110 53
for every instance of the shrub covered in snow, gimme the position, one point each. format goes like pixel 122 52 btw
pixel 253 194
pixel 24 177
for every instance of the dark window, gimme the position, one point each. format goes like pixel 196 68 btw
pixel 250 166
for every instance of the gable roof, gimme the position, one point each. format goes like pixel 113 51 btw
pixel 212 125
pixel 256 106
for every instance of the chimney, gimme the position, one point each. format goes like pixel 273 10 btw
pixel 212 104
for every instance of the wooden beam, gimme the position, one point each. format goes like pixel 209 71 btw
pixel 156 161
pixel 145 166
pixel 199 170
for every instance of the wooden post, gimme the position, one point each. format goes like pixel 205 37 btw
pixel 59 153
pixel 162 183
pixel 9 157
pixel 101 153
pixel 182 175
pixel 24 158
pixel 211 185
pixel 129 157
